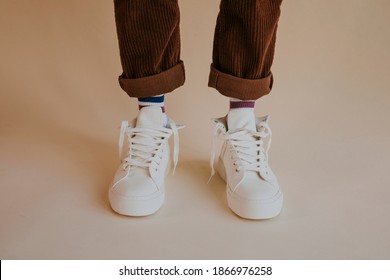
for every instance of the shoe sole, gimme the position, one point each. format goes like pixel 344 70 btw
pixel 254 209
pixel 136 207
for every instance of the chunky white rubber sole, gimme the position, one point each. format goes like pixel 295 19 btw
pixel 247 208
pixel 136 206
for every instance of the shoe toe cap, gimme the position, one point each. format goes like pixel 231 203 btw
pixel 254 187
pixel 135 185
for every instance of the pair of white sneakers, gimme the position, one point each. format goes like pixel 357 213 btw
pixel 252 189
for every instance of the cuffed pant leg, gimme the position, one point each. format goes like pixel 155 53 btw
pixel 149 44
pixel 244 46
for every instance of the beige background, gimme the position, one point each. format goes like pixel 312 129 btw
pixel 60 108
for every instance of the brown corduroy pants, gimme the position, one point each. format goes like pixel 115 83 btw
pixel 244 45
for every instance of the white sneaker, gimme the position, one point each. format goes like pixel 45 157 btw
pixel 138 187
pixel 253 191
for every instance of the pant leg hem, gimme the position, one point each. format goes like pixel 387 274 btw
pixel 161 83
pixel 244 89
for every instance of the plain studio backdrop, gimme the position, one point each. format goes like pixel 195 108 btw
pixel 61 106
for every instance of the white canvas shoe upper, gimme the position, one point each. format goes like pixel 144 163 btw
pixel 138 187
pixel 253 191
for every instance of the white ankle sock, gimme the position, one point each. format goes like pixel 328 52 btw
pixel 157 100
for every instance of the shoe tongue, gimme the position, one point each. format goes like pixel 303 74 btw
pixel 241 118
pixel 150 116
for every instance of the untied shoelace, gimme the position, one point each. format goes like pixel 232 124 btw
pixel 250 152
pixel 144 144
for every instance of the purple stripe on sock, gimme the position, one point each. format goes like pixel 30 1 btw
pixel 242 104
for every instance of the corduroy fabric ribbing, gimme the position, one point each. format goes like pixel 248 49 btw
pixel 149 44
pixel 244 46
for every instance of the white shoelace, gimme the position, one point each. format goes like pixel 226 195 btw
pixel 145 145
pixel 250 154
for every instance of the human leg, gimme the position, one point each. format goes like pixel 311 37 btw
pixel 149 44
pixel 244 45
